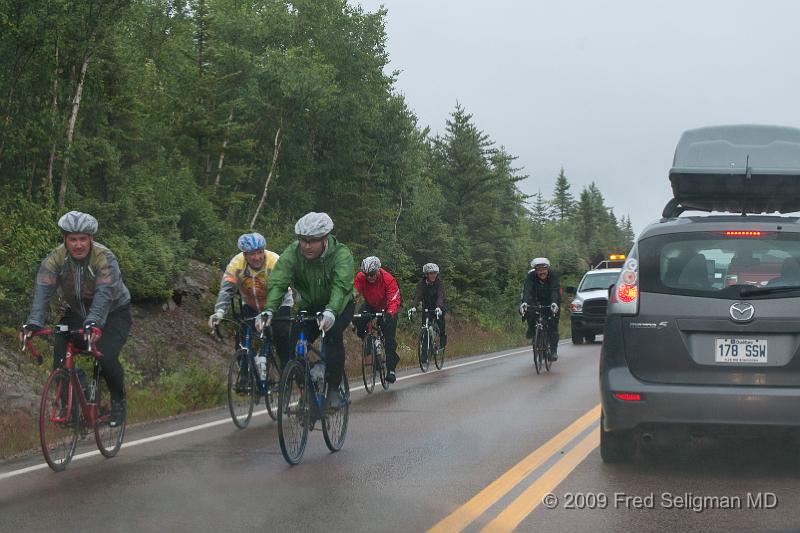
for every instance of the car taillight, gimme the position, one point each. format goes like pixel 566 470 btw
pixel 625 296
pixel 745 233
pixel 628 293
pixel 628 396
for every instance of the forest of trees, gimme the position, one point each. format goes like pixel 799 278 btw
pixel 182 123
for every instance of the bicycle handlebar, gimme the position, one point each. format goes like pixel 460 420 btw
pixel 301 317
pixel 369 315
pixel 93 335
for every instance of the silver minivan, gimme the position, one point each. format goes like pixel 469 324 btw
pixel 703 325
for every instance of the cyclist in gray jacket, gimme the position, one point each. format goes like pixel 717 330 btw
pixel 91 285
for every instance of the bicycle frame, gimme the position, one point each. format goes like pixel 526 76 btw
pixel 87 405
pixel 245 341
pixel 541 331
pixel 370 358
pixel 303 347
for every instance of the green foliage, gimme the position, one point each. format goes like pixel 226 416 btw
pixel 189 107
pixel 27 233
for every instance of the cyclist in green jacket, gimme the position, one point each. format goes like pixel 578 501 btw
pixel 320 269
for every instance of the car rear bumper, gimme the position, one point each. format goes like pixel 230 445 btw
pixel 695 404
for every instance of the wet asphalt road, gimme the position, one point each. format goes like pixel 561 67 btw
pixel 466 448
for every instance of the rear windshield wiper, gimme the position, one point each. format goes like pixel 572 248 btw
pixel 755 291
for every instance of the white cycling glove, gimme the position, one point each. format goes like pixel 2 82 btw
pixel 554 308
pixel 326 320
pixel 215 318
pixel 523 308
pixel 264 320
pixel 438 312
pixel 411 312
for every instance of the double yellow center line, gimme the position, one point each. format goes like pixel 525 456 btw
pixel 523 505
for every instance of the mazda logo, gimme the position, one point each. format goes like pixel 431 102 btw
pixel 742 312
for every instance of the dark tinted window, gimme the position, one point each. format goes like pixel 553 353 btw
pixel 715 265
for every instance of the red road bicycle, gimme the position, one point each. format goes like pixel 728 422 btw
pixel 67 411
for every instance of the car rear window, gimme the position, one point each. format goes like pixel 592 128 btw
pixel 717 264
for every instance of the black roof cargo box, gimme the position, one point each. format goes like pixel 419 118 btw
pixel 740 168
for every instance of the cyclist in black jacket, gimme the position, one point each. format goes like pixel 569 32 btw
pixel 542 287
pixel 430 292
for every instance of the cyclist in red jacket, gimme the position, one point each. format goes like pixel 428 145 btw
pixel 381 293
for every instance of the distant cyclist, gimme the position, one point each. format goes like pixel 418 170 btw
pixel 249 273
pixel 380 292
pixel 320 269
pixel 430 293
pixel 542 287
pixel 91 284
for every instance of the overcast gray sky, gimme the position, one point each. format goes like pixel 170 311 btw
pixel 603 89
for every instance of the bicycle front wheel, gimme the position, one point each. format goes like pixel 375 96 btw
pixel 109 439
pixel 59 420
pixel 368 363
pixel 538 350
pixel 293 414
pixel 334 425
pixel 273 387
pixel 423 350
pixel 241 389
pixel 547 361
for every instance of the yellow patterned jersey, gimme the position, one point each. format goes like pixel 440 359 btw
pixel 252 284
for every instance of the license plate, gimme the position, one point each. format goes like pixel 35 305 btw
pixel 741 351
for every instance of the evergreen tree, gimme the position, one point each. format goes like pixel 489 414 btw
pixel 563 200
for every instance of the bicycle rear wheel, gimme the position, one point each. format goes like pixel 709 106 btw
pixel 273 386
pixel 438 354
pixel 293 419
pixel 59 420
pixel 368 362
pixel 241 389
pixel 380 362
pixel 537 350
pixel 334 425
pixel 423 350
pixel 109 440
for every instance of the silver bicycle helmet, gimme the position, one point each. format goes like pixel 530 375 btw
pixel 313 225
pixel 370 265
pixel 77 222
pixel 430 267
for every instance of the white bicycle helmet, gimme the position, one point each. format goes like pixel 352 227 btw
pixel 540 261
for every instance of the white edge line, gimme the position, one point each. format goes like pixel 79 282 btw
pixel 226 420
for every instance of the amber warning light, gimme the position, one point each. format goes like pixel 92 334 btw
pixel 616 257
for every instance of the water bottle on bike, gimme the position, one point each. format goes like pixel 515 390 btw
pixel 318 377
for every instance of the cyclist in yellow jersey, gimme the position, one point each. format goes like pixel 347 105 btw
pixel 248 273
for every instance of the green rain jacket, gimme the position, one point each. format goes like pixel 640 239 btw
pixel 324 283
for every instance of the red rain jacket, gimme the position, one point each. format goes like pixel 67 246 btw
pixel 383 294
